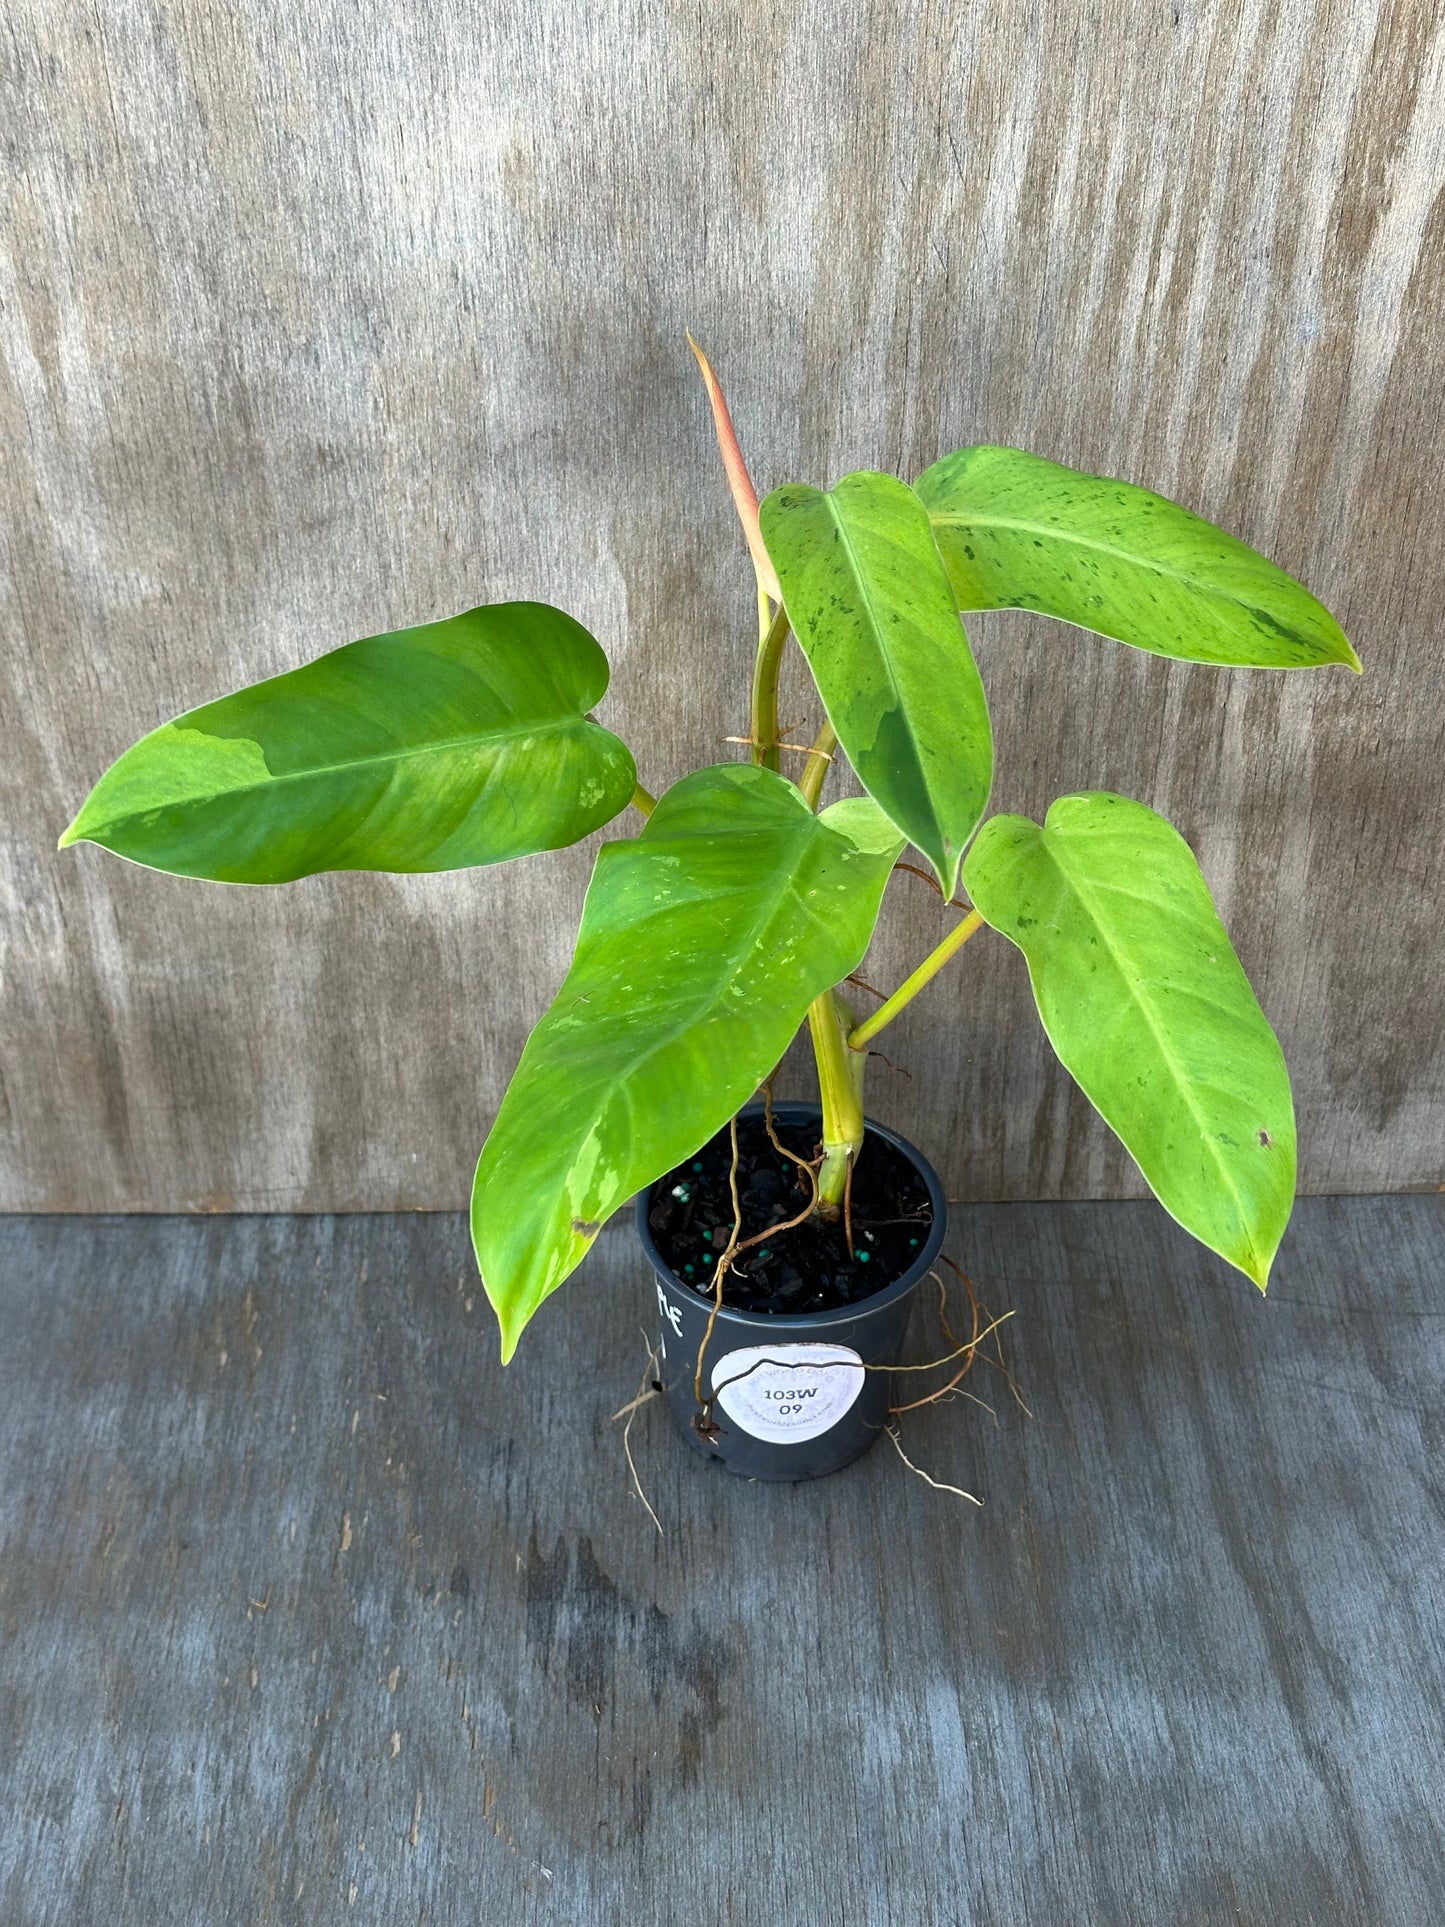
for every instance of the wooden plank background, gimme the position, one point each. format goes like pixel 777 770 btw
pixel 314 1615
pixel 318 320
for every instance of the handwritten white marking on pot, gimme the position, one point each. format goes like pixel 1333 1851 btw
pixel 785 1393
pixel 671 1313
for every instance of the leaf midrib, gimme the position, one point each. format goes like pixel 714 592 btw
pixel 477 740
pixel 620 1081
pixel 717 987
pixel 876 628
pixel 1196 585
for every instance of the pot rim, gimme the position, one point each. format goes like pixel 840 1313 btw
pixel 815 1322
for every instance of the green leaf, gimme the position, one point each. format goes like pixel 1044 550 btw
pixel 1019 532
pixel 457 743
pixel 1146 1004
pixel 703 942
pixel 870 603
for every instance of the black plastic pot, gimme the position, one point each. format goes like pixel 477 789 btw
pixel 792 1397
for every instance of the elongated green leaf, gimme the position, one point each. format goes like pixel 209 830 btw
pixel 1146 1004
pixel 457 743
pixel 870 603
pixel 703 942
pixel 1019 532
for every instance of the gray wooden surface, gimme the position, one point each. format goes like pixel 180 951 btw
pixel 312 1614
pixel 317 319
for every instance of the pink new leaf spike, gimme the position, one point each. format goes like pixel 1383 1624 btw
pixel 745 496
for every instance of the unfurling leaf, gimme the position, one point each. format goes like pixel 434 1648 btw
pixel 740 483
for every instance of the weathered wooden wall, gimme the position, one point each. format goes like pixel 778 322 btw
pixel 318 320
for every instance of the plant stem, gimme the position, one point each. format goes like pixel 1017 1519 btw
pixel 815 770
pixel 644 800
pixel 910 987
pixel 840 1083
pixel 765 690
pixel 765 612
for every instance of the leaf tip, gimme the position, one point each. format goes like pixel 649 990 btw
pixel 1256 1267
pixel 70 834
pixel 511 1323
pixel 947 866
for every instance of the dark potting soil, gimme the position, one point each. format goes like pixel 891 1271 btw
pixel 809 1268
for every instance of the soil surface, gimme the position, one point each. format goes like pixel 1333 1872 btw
pixel 809 1268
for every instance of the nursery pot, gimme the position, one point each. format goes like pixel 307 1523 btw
pixel 792 1396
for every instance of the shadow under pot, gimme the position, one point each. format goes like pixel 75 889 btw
pixel 797 1372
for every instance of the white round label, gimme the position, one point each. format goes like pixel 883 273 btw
pixel 783 1392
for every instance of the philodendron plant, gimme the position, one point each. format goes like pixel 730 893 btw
pixel 734 915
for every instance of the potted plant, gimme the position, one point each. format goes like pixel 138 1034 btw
pixel 787 1248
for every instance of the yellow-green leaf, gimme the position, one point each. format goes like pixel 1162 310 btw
pixel 869 601
pixel 1146 1004
pixel 460 742
pixel 1019 532
pixel 703 942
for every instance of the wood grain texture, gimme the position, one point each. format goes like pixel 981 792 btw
pixel 317 321
pixel 311 1613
